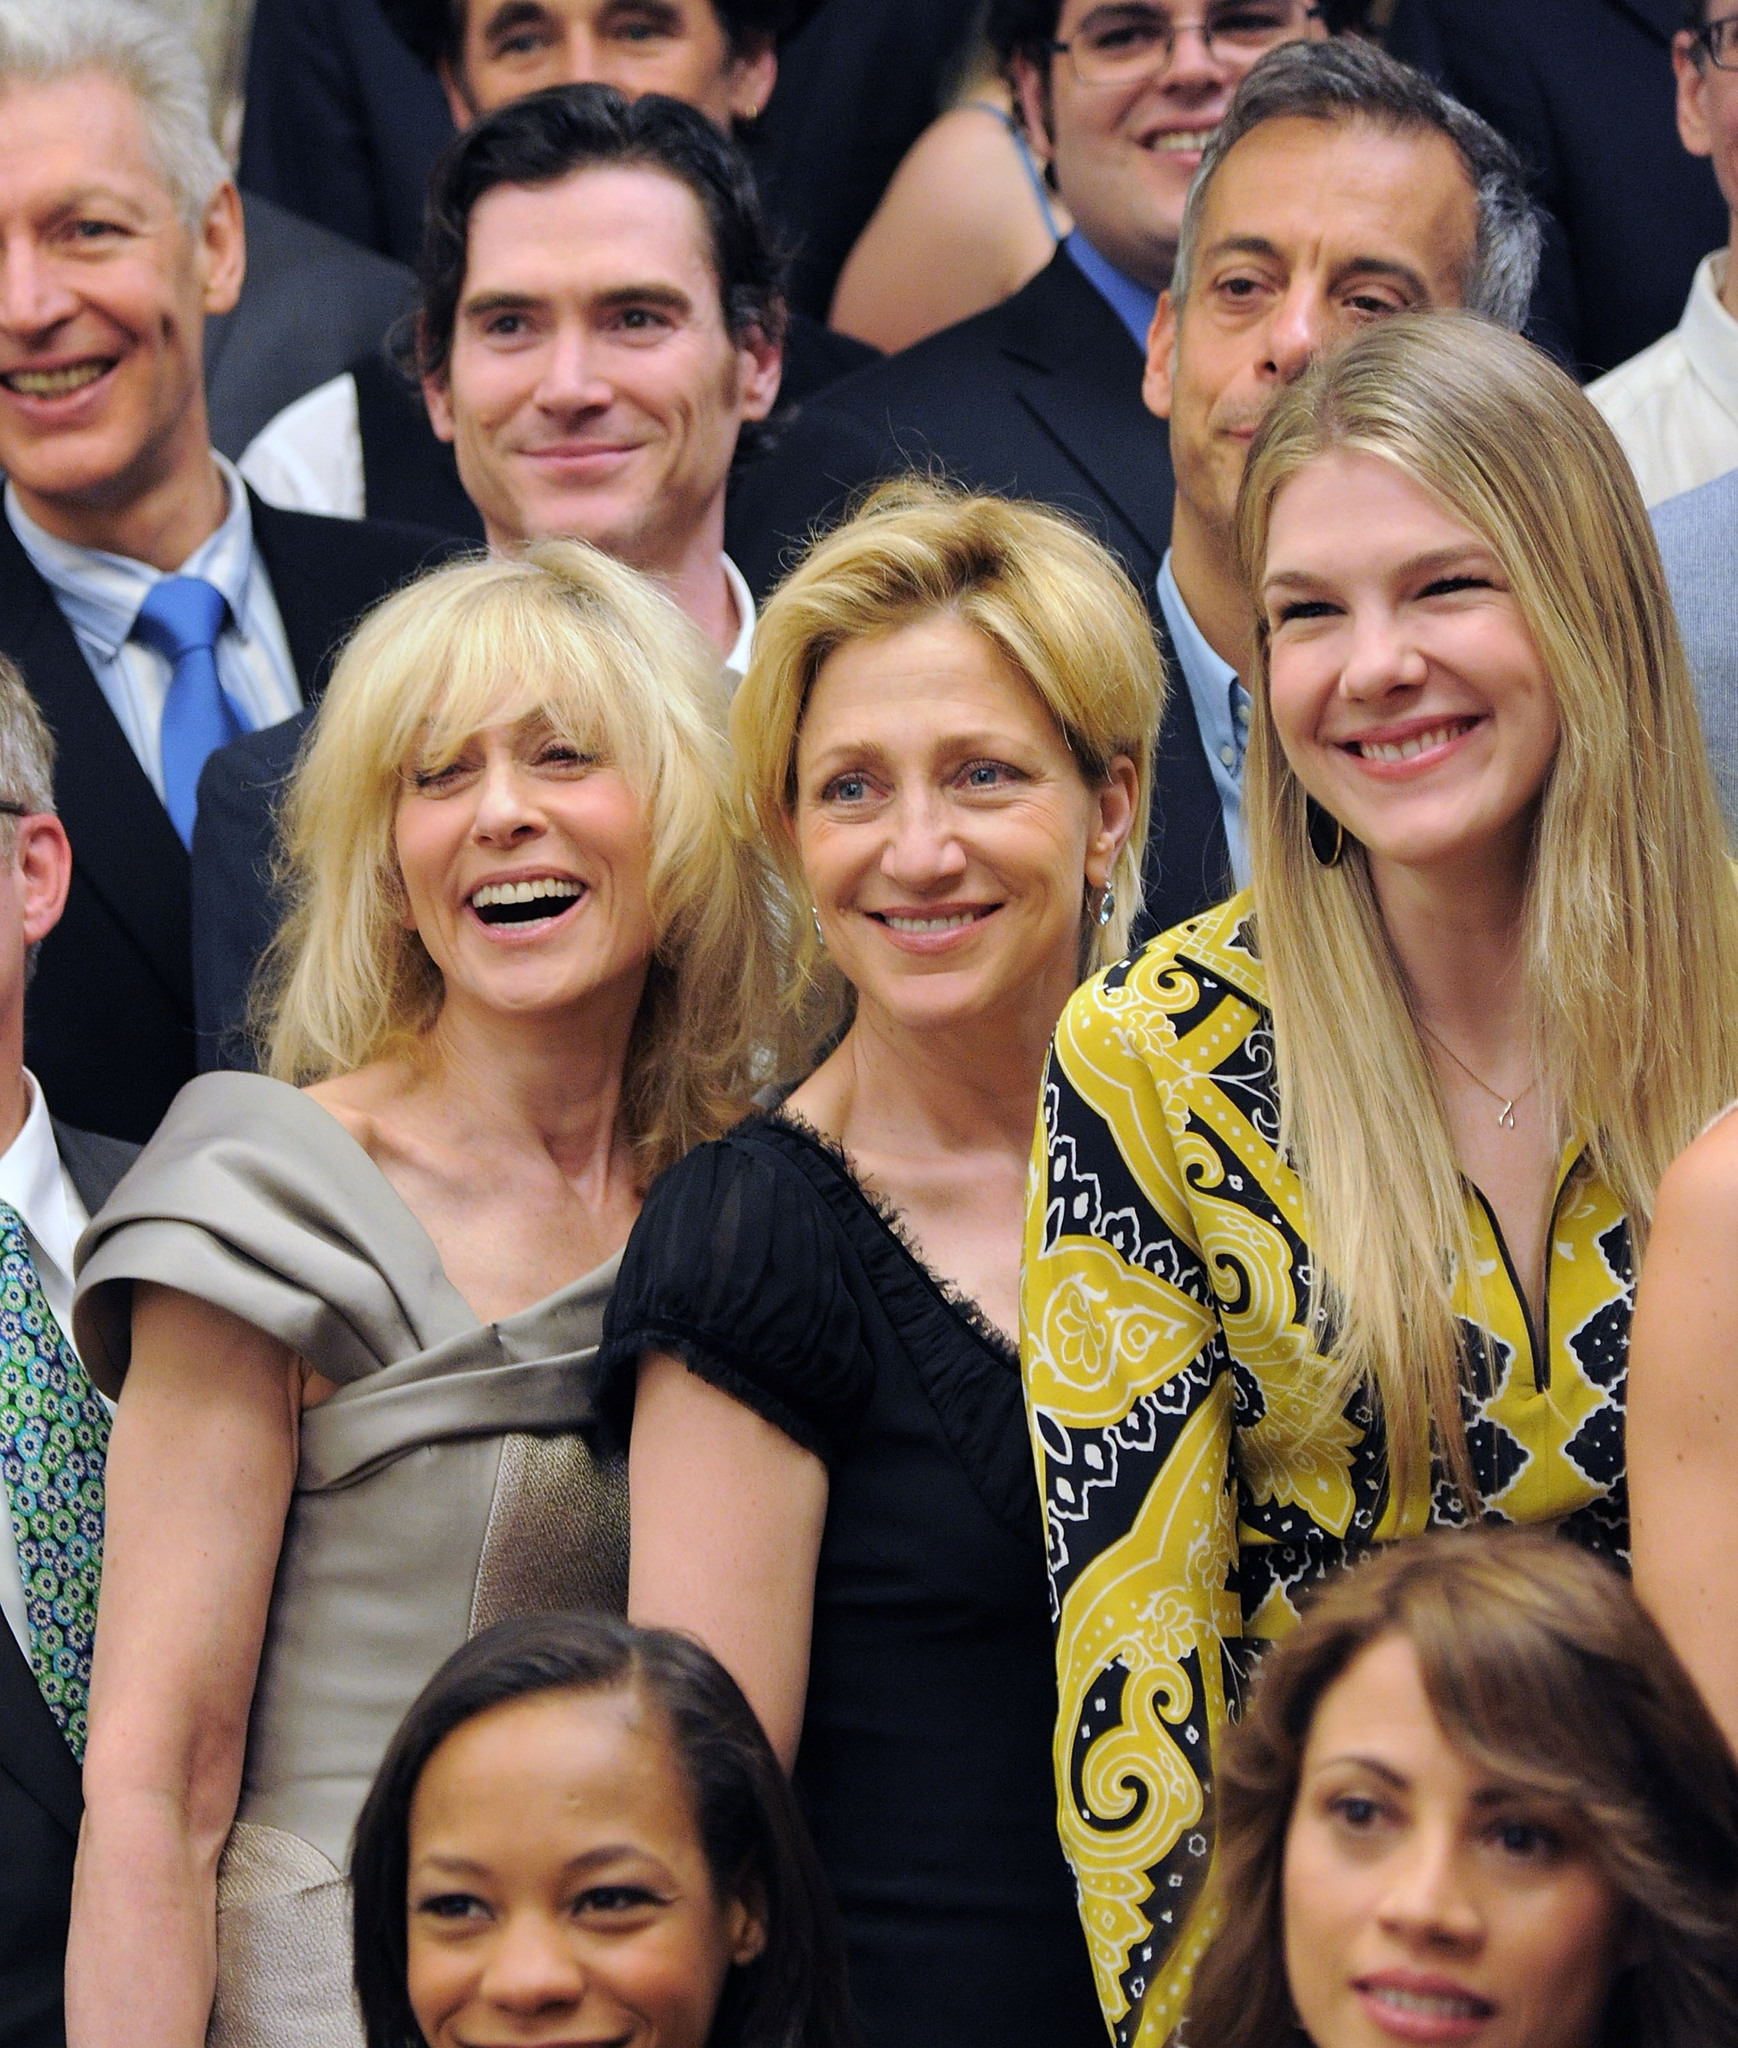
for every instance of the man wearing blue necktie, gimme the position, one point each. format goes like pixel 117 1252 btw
pixel 53 1425
pixel 156 609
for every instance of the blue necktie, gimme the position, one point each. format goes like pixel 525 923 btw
pixel 181 619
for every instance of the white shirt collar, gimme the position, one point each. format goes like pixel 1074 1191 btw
pixel 101 593
pixel 32 1183
pixel 1709 334
pixel 736 661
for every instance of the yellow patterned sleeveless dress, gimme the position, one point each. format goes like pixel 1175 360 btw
pixel 1188 1499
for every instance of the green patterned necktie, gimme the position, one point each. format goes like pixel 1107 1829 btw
pixel 54 1434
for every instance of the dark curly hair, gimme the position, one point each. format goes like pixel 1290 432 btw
pixel 566 128
pixel 793 1994
pixel 1542 1669
pixel 434 30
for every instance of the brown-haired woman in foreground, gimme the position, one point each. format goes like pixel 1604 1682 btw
pixel 1474 1799
pixel 351 1310
pixel 939 739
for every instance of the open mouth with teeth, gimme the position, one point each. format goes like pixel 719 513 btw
pixel 1396 751
pixel 1448 2006
pixel 1184 141
pixel 61 383
pixel 530 902
pixel 912 924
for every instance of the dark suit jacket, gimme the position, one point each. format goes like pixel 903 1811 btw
pixel 109 1016
pixel 235 912
pixel 1039 397
pixel 343 124
pixel 40 1801
pixel 856 88
pixel 1584 89
pixel 310 304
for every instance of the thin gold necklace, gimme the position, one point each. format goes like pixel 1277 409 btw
pixel 1505 1115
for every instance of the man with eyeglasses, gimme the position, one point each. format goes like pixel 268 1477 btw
pixel 1675 406
pixel 1040 397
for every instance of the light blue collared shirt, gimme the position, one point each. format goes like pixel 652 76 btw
pixel 100 594
pixel 1132 303
pixel 1221 710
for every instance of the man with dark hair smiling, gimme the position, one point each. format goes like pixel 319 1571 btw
pixel 602 314
pixel 360 443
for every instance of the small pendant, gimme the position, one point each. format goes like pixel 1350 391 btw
pixel 1507 1118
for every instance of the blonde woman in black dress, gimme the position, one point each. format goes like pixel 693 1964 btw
pixel 829 1470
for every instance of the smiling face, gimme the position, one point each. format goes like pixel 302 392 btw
pixel 1407 690
pixel 1311 230
pixel 948 836
pixel 593 391
pixel 678 47
pixel 558 1888
pixel 103 298
pixel 1123 153
pixel 524 865
pixel 1425 1901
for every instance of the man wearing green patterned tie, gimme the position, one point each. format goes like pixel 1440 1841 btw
pixel 53 1425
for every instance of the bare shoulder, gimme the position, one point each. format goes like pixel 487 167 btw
pixel 1702 1182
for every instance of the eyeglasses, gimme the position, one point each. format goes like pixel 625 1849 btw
pixel 1720 40
pixel 1120 45
pixel 8 809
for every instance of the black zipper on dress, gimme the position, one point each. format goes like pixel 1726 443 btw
pixel 1538 1342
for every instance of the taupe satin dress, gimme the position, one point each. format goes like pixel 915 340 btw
pixel 460 1473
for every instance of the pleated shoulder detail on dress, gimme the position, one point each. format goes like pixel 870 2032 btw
pixel 253 1197
pixel 734 1268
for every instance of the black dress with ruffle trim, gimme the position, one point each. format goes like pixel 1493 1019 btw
pixel 925 1764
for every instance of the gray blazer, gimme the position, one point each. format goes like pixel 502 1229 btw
pixel 311 303
pixel 1698 537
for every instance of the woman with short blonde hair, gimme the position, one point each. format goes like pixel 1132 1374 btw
pixel 943 740
pixel 351 1310
pixel 1342 1186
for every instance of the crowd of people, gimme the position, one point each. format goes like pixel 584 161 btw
pixel 863 1164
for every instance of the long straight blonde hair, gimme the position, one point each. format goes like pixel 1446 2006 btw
pixel 612 663
pixel 1631 916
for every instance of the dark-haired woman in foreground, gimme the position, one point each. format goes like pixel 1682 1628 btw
pixel 579 1826
pixel 1475 1799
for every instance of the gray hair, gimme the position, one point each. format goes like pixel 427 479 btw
pixel 1351 80
pixel 43 41
pixel 26 746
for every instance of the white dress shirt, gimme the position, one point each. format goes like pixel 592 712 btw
pixel 33 1181
pixel 1674 407
pixel 100 594
pixel 309 459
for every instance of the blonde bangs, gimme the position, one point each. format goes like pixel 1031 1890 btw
pixel 567 634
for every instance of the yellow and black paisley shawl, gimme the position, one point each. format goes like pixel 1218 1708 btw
pixel 1188 1496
